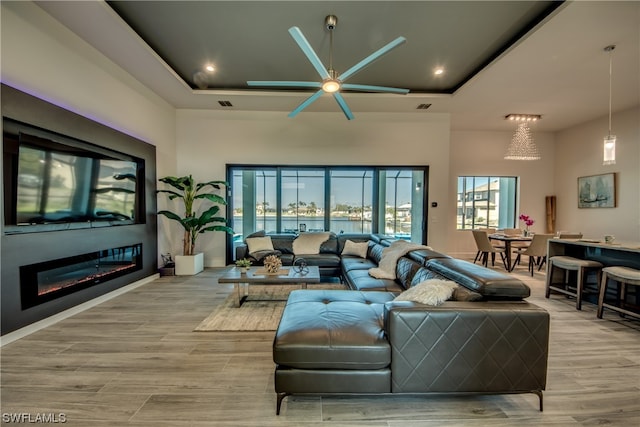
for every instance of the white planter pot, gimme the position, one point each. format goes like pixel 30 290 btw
pixel 188 265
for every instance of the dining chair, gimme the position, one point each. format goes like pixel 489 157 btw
pixel 511 231
pixel 485 248
pixel 536 251
pixel 489 231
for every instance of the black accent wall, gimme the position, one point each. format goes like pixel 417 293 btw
pixel 33 247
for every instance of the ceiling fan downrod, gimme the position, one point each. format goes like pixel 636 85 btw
pixel 332 84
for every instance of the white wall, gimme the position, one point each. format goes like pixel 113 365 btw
pixel 482 153
pixel 579 153
pixel 43 58
pixel 208 140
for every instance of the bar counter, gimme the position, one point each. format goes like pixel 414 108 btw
pixel 624 254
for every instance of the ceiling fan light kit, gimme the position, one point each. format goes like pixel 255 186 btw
pixel 331 82
pixel 331 86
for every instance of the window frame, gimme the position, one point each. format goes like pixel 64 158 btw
pixel 328 169
pixel 470 199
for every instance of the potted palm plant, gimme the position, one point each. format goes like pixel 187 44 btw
pixel 194 224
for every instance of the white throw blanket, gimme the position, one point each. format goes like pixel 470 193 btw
pixel 390 255
pixel 309 243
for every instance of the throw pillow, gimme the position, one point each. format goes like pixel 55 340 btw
pixel 259 233
pixel 355 248
pixel 257 244
pixel 309 243
pixel 430 292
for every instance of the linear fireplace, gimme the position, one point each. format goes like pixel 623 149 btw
pixel 49 280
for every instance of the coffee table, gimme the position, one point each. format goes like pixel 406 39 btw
pixel 259 276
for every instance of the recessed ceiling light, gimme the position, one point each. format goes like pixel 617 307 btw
pixel 210 68
pixel 438 71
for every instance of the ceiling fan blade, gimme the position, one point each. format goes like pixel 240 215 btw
pixel 309 52
pixel 343 104
pixel 306 103
pixel 283 83
pixel 369 59
pixel 368 88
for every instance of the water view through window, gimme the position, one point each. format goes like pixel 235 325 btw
pixel 343 200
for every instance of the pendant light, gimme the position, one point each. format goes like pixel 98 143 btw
pixel 609 140
pixel 522 146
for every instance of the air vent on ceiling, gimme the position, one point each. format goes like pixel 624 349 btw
pixel 423 106
pixel 225 103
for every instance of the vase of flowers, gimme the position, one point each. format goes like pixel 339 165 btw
pixel 528 222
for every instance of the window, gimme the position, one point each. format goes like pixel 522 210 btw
pixel 401 191
pixel 333 198
pixel 350 198
pixel 486 201
pixel 302 202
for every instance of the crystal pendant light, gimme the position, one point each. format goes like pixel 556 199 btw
pixel 522 146
pixel 609 140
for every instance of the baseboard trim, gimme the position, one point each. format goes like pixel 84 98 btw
pixel 34 327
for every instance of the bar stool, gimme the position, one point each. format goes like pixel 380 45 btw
pixel 582 266
pixel 625 276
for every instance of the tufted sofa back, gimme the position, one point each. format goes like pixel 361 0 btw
pixel 406 269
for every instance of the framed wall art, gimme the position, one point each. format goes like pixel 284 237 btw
pixel 597 191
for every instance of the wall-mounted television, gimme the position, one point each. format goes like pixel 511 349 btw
pixel 53 182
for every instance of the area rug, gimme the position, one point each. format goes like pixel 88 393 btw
pixel 261 312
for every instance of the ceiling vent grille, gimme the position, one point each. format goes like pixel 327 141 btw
pixel 225 103
pixel 423 106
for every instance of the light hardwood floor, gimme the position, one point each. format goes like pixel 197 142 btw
pixel 135 360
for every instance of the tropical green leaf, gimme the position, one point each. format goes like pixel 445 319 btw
pixel 190 221
pixel 172 193
pixel 217 228
pixel 206 215
pixel 211 220
pixel 215 184
pixel 212 197
pixel 170 215
pixel 173 181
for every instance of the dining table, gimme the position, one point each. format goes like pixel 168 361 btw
pixel 508 239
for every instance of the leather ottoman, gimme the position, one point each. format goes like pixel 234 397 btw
pixel 333 341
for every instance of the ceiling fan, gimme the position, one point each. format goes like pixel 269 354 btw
pixel 332 82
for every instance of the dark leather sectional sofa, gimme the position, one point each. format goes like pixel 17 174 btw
pixel 328 260
pixel 486 339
